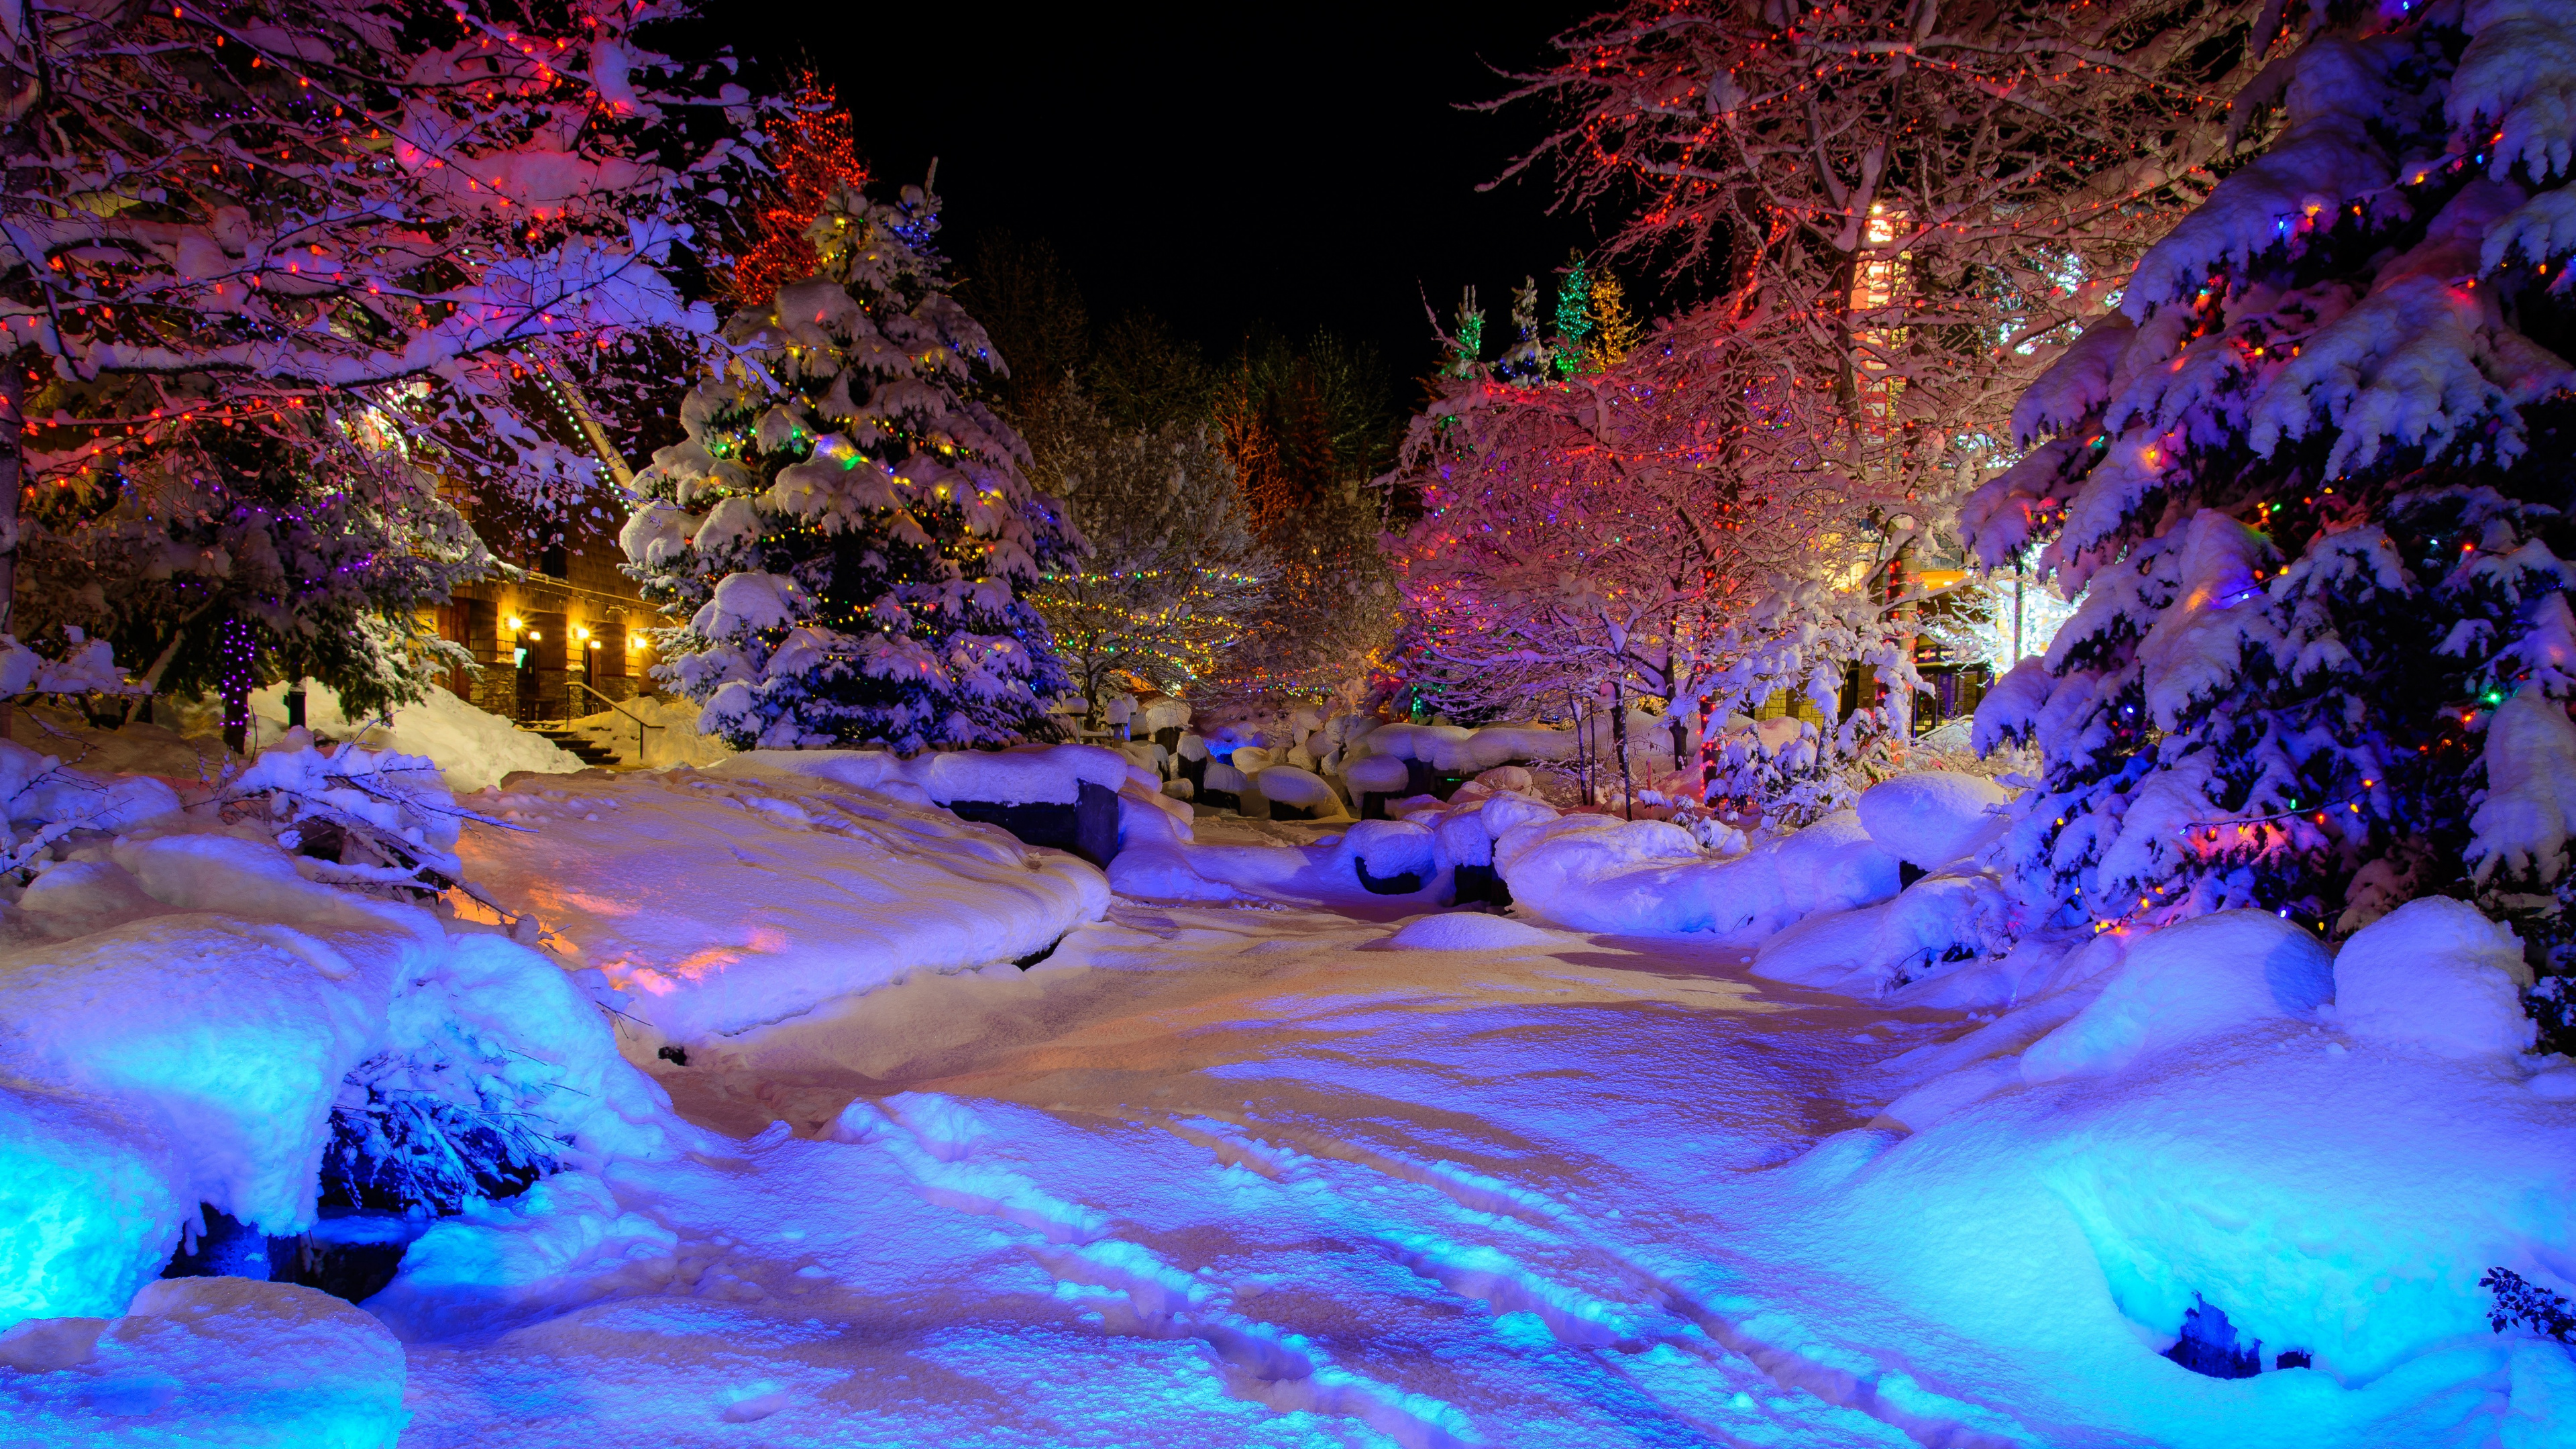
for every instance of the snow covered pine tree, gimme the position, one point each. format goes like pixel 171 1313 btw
pixel 847 531
pixel 2314 475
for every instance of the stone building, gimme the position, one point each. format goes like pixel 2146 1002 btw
pixel 563 635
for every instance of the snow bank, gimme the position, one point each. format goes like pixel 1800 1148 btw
pixel 1469 931
pixel 673 738
pixel 474 749
pixel 1020 775
pixel 207 1361
pixel 187 1010
pixel 2435 974
pixel 1933 817
pixel 2204 977
pixel 723 901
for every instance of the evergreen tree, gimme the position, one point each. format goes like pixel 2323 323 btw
pixel 847 531
pixel 2313 478
pixel 1573 352
pixel 1614 330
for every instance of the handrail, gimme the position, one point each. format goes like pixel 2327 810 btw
pixel 640 725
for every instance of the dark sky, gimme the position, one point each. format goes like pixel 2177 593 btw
pixel 1295 165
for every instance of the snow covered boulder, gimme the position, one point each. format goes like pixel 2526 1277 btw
pixel 1933 817
pixel 1391 857
pixel 1376 775
pixel 207 1361
pixel 1302 791
pixel 2203 978
pixel 723 901
pixel 230 1034
pixel 89 1205
pixel 2435 974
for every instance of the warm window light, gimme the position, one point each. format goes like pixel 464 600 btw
pixel 533 634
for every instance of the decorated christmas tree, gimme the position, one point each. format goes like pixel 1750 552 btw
pixel 2312 477
pixel 846 531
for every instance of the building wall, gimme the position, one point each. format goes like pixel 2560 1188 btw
pixel 570 618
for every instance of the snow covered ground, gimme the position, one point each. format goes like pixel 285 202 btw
pixel 1306 1165
pixel 1224 1176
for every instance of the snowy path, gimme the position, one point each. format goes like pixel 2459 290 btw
pixel 1223 1177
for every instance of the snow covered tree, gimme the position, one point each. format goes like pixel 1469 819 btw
pixel 811 154
pixel 266 573
pixel 232 237
pixel 1658 528
pixel 1306 429
pixel 1174 572
pixel 847 532
pixel 2312 478
pixel 1922 199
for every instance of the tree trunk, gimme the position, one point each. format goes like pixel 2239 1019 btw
pixel 1619 740
pixel 240 657
pixel 13 476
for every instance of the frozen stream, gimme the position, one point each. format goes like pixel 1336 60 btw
pixel 1215 1177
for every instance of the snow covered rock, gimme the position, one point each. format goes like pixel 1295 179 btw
pixel 1388 850
pixel 757 892
pixel 1933 817
pixel 2199 979
pixel 2436 974
pixel 90 1201
pixel 207 1361
pixel 1376 774
pixel 231 1031
pixel 1300 789
pixel 560 1242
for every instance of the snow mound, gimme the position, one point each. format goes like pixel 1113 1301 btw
pixel 207 1361
pixel 2181 984
pixel 89 1203
pixel 723 901
pixel 671 737
pixel 474 748
pixel 1650 877
pixel 2437 974
pixel 1020 775
pixel 1933 817
pixel 1470 931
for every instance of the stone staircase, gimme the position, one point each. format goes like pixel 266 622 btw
pixel 582 746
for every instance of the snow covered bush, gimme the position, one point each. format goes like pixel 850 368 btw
pixel 2310 478
pixel 368 819
pixel 847 534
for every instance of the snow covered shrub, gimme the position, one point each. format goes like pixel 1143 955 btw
pixel 400 1148
pixel 372 820
pixel 2309 479
pixel 2518 1300
pixel 2208 1345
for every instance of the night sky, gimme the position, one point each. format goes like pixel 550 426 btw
pixel 1226 167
